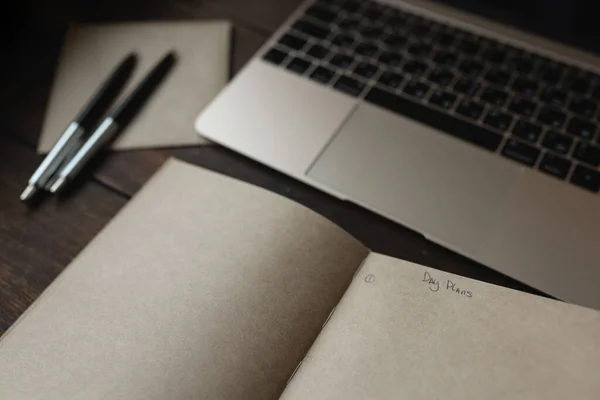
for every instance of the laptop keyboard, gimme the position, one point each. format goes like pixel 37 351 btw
pixel 526 107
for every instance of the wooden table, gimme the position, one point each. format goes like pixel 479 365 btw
pixel 36 244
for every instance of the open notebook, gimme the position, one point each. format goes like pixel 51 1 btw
pixel 204 287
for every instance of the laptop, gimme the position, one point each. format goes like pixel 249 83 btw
pixel 474 123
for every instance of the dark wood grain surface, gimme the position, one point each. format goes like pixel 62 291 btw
pixel 37 244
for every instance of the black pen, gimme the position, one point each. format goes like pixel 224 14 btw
pixel 122 115
pixel 83 122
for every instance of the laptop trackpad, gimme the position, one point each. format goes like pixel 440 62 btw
pixel 451 191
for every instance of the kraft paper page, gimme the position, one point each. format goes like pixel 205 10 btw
pixel 403 331
pixel 202 287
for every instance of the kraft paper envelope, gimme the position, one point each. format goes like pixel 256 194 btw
pixel 90 52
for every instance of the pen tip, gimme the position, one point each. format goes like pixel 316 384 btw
pixel 28 193
pixel 56 186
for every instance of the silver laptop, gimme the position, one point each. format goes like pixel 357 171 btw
pixel 476 133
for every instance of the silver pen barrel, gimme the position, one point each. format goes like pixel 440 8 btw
pixel 97 140
pixel 68 141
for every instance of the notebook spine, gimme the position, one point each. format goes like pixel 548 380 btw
pixel 360 267
pixel 324 325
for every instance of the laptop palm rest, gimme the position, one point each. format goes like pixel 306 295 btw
pixel 417 176
pixel 509 217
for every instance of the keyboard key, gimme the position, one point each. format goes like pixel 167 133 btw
pixel 549 72
pixel 416 89
pixel 298 65
pixel 343 40
pixel 494 96
pixel 419 49
pixel 373 13
pixel 371 32
pixel 415 67
pixel 470 67
pixel 593 78
pixel 329 4
pixel 321 13
pixel 575 83
pixel 342 61
pixel 470 109
pixel 469 45
pixel 497 77
pixel 391 80
pixel 390 58
pixel 275 56
pixel 397 20
pixel 521 152
pixel 552 117
pixel 581 105
pixel 351 6
pixel 319 52
pixel 587 153
pixel 310 29
pixel 554 96
pixel 349 24
pixel 497 119
pixel 396 40
pixel 437 27
pixel 433 25
pixel 445 57
pixel 445 37
pixel 421 29
pixel 485 42
pixel 349 85
pixel 322 74
pixel 496 55
pixel 527 131
pixel 557 142
pixel 441 76
pixel 522 64
pixel 596 92
pixel 366 70
pixel 511 52
pixel 293 42
pixel 522 106
pixel 467 86
pixel 525 87
pixel 366 49
pixel 582 128
pixel 442 99
pixel 586 178
pixel 555 165
pixel 458 128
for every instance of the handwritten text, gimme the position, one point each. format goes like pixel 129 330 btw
pixel 435 285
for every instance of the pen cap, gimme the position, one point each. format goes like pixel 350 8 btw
pixel 140 95
pixel 107 93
